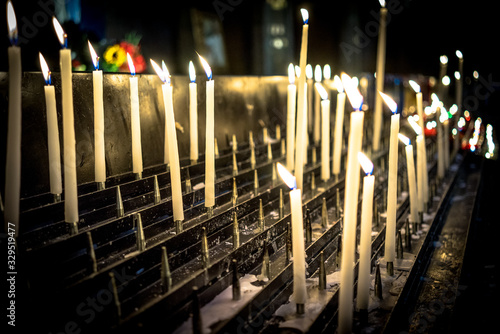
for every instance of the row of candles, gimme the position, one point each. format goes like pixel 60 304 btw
pixel 296 137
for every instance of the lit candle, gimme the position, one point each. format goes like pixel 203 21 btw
pixel 412 186
pixel 209 141
pixel 350 207
pixel 100 164
pixel 135 120
pixel 317 78
pixel 309 97
pixel 290 118
pixel 193 114
pixel 325 132
pixel 458 96
pixel 301 107
pixel 299 261
pixel 440 142
pixel 366 234
pixel 13 160
pixel 392 184
pixel 339 124
pixel 443 60
pixel 380 71
pixel 52 132
pixel 70 184
pixel 420 164
pixel 172 150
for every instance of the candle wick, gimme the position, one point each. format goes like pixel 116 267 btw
pixel 97 63
pixel 65 37
pixel 49 78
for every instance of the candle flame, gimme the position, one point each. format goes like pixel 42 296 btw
pixel 286 176
pixel 321 90
pixel 192 72
pixel 353 94
pixel 338 84
pixel 45 69
pixel 457 75
pixel 291 74
pixel 365 163
pixel 309 71
pixel 415 86
pixel 11 23
pixel 327 72
pixel 130 64
pixel 61 35
pixel 393 106
pixel 165 72
pixel 459 54
pixel 382 3
pixel 446 80
pixel 305 15
pixel 158 70
pixel 93 55
pixel 443 59
pixel 415 126
pixel 207 68
pixel 318 73
pixel 404 139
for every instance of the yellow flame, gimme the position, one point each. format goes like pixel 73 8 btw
pixel 45 68
pixel 459 54
pixel 291 74
pixel 207 68
pixel 404 139
pixel 286 176
pixel 415 126
pixel 382 3
pixel 321 90
pixel 59 30
pixel 338 84
pixel 353 94
pixel 305 15
pixel 93 55
pixel 446 80
pixel 457 75
pixel 365 163
pixel 158 70
pixel 318 73
pixel 443 59
pixel 393 106
pixel 192 72
pixel 415 86
pixel 309 71
pixel 11 21
pixel 130 64
pixel 327 72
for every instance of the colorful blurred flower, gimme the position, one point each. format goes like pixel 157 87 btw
pixel 115 57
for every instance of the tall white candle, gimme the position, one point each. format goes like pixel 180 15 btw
pixel 299 261
pixel 440 144
pixel 325 132
pixel 317 102
pixel 412 186
pixel 365 251
pixel 310 99
pixel 173 151
pixel 52 131
pixel 392 183
pixel 420 163
pixel 209 141
pixel 13 159
pixel 100 162
pixel 339 125
pixel 290 118
pixel 135 120
pixel 301 107
pixel 350 208
pixel 193 114
pixel 446 141
pixel 380 71
pixel 70 184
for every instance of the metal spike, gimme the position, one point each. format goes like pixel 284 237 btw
pixel 288 243
pixel 324 214
pixel 115 295
pixel 313 182
pixel 322 271
pixel 235 165
pixel 255 182
pixel 189 187
pixel 338 258
pixel 250 139
pixel 269 152
pixel 281 205
pixel 235 143
pixel 139 233
pixel 399 245
pixel 408 235
pixel 262 223
pixel 308 226
pixel 236 231
pixel 314 156
pixel 266 272
pixel 166 276
pixel 196 312
pixel 204 248
pixel 278 132
pixel 283 148
pixel 264 135
pixel 234 198
pixel 274 177
pixel 119 203
pixel 252 156
pixel 91 253
pixel 178 226
pixel 236 280
pixel 216 148
pixel 378 283
pixel 157 196
pixel 101 186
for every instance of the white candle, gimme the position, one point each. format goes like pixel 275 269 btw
pixel 350 208
pixel 52 131
pixel 290 118
pixel 309 98
pixel 365 251
pixel 420 163
pixel 70 183
pixel 193 114
pixel 317 101
pixel 412 186
pixel 325 132
pixel 135 120
pixel 173 151
pixel 392 183
pixel 380 71
pixel 339 124
pixel 446 141
pixel 13 159
pixel 440 144
pixel 209 141
pixel 299 261
pixel 301 107
pixel 100 162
